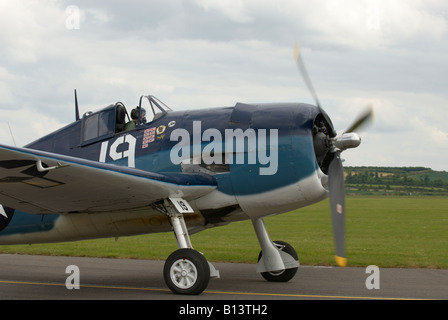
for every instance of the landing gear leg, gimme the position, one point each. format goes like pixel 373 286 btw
pixel 277 260
pixel 186 271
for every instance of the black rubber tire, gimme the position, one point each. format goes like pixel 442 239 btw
pixel 284 275
pixel 196 269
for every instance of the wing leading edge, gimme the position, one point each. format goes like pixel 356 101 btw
pixel 41 182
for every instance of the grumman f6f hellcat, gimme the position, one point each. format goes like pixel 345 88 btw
pixel 109 174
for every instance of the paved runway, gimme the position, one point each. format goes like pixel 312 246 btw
pixel 44 277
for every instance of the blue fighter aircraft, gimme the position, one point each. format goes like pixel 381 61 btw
pixel 111 175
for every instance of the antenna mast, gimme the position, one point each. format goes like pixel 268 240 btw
pixel 76 106
pixel 12 136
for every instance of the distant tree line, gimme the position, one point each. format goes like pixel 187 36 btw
pixel 387 176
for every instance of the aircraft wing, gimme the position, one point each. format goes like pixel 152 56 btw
pixel 41 182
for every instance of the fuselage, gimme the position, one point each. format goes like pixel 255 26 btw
pixel 262 156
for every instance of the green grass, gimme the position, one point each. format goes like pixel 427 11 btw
pixel 384 231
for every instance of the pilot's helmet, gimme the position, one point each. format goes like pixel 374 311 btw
pixel 134 113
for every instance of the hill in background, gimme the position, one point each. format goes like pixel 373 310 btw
pixel 404 181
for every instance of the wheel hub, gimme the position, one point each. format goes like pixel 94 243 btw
pixel 183 273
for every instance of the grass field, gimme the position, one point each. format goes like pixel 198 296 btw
pixel 383 231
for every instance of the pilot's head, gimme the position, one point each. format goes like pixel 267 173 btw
pixel 134 114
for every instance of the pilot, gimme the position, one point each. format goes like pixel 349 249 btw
pixel 134 116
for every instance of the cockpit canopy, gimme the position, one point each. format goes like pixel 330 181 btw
pixel 112 119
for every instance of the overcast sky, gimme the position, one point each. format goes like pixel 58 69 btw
pixel 213 53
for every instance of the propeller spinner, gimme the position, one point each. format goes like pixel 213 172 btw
pixel 331 144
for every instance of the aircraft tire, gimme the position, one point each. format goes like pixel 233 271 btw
pixel 186 272
pixel 284 275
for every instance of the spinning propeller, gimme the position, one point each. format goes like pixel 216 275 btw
pixel 334 143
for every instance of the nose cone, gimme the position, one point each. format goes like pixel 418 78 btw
pixel 347 141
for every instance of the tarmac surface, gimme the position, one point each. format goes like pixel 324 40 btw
pixel 28 277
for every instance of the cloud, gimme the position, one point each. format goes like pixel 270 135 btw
pixel 235 10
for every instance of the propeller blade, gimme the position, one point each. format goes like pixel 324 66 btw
pixel 307 79
pixel 337 204
pixel 365 118
pixel 304 74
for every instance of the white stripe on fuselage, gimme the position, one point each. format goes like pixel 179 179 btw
pixel 2 212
